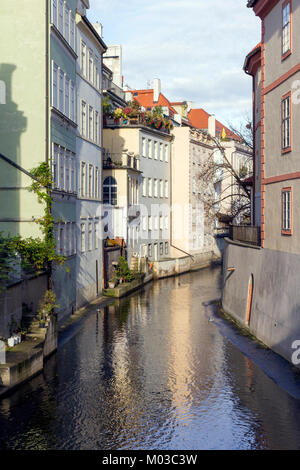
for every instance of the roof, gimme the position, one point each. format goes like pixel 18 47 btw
pixel 252 53
pixel 92 29
pixel 145 98
pixel 199 119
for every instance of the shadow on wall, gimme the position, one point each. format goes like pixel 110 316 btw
pixel 12 124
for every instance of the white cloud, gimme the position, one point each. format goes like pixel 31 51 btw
pixel 196 47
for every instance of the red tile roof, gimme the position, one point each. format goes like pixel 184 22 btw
pixel 199 119
pixel 145 98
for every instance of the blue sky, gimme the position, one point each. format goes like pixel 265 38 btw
pixel 196 47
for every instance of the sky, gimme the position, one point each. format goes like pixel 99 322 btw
pixel 196 47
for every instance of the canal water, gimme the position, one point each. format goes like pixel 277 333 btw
pixel 152 371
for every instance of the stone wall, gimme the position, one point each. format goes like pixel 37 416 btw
pixel 28 292
pixel 275 308
pixel 175 266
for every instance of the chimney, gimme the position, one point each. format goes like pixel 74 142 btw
pixel 212 126
pixel 98 27
pixel 156 89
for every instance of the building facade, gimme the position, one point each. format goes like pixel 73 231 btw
pixel 40 80
pixel 192 218
pixel 142 219
pixel 253 275
pixel 90 49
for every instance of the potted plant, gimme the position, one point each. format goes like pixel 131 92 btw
pixel 112 283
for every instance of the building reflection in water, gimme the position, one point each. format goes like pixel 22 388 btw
pixel 151 372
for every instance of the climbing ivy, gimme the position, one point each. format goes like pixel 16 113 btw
pixel 34 253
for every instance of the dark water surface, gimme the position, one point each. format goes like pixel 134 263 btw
pixel 152 372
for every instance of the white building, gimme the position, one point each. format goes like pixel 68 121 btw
pixel 90 49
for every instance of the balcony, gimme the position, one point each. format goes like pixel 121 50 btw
pixel 125 160
pixel 245 233
pixel 136 121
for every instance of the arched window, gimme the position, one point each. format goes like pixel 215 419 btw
pixel 110 191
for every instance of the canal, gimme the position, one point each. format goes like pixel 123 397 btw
pixel 153 371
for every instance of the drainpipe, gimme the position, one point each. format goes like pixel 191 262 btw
pixel 47 126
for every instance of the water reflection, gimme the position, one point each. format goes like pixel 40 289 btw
pixel 151 372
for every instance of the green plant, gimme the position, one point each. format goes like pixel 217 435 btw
pixel 107 107
pixel 123 271
pixel 47 305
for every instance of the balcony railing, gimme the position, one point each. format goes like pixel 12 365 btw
pixel 134 121
pixel 248 234
pixel 120 160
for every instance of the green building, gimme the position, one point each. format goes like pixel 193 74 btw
pixel 38 124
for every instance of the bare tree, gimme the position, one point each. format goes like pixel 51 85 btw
pixel 230 185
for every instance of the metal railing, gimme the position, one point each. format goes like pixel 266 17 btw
pixel 122 160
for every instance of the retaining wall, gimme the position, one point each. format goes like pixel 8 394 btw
pixel 275 308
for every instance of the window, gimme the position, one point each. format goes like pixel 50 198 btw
pixel 82 227
pixel 149 148
pixel 72 110
pixel 144 222
pixel 54 12
pixel 61 168
pixel 150 187
pixel 67 170
pixel 96 137
pixel 67 23
pixel 61 17
pixel 286 29
pixel 144 186
pixel 83 179
pixel 155 150
pixel 73 241
pixel 91 123
pixel 54 84
pixel 96 228
pixel 61 90
pixel 166 153
pixel 161 189
pixel 97 183
pixel 91 181
pixel 149 222
pixel 73 179
pixel 166 248
pixel 67 97
pixel 155 187
pixel 90 237
pixel 83 58
pixel 144 147
pixel 83 118
pixel 161 222
pixel 161 152
pixel 91 67
pixel 161 248
pixel 286 122
pixel 61 239
pixel 110 191
pixel 166 188
pixel 150 250
pixel 55 158
pixel 286 211
pixel 72 30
